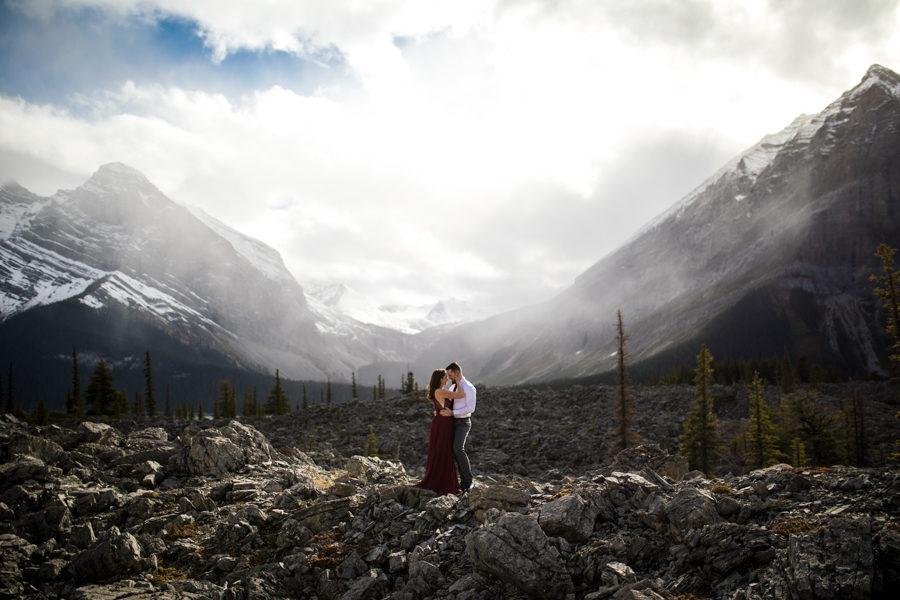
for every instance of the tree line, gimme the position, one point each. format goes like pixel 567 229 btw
pixel 793 427
pixel 101 397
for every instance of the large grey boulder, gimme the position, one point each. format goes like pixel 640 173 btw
pixel 117 553
pixel 372 469
pixel 690 510
pixel 516 550
pixel 835 561
pixel 568 516
pixel 219 452
pixel 36 446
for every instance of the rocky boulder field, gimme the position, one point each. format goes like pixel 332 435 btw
pixel 288 507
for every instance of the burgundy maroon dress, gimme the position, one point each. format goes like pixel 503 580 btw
pixel 440 468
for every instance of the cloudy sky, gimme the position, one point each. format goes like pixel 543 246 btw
pixel 484 150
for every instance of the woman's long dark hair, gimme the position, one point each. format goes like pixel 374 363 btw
pixel 436 376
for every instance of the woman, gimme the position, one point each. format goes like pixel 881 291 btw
pixel 440 468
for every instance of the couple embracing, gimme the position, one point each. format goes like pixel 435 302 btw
pixel 450 426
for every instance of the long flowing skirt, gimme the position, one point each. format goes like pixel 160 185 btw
pixel 440 468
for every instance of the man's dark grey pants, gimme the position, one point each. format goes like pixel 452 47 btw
pixel 461 428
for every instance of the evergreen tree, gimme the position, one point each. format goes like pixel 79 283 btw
pixel 854 441
pixel 100 393
pixel 786 374
pixel 150 396
pixel 168 403
pixel 761 439
pixel 221 404
pixel 624 399
pixel 700 437
pixel 371 445
pixel 374 393
pixel 248 408
pixel 40 415
pixel 74 403
pixel 305 399
pixel 798 453
pixel 231 404
pixel 200 415
pixel 120 404
pixel 814 427
pixel 277 403
pixel 191 411
pixel 381 387
pixel 137 409
pixel 328 391
pixel 889 293
pixel 354 393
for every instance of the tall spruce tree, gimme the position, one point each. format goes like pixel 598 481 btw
pixel 889 293
pixel 74 404
pixel 100 394
pixel 223 396
pixel 40 415
pixel 761 437
pixel 624 433
pixel 137 408
pixel 278 403
pixel 354 393
pixel 150 396
pixel 305 399
pixel 168 403
pixel 814 427
pixel 328 391
pixel 699 442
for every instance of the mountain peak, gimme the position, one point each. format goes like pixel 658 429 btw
pixel 116 176
pixel 880 76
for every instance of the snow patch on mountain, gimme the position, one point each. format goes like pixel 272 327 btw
pixel 263 257
pixel 339 306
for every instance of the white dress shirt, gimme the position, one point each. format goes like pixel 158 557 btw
pixel 464 407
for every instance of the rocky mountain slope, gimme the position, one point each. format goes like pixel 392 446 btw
pixel 165 510
pixel 774 251
pixel 116 269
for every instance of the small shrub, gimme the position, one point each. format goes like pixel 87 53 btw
pixel 185 530
pixel 563 492
pixel 791 526
pixel 721 489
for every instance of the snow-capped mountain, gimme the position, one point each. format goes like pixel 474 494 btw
pixel 116 256
pixel 339 307
pixel 772 252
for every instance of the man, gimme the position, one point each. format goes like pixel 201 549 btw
pixel 462 423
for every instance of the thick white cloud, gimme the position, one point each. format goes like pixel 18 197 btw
pixel 488 151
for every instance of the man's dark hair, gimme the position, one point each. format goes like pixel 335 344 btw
pixel 454 366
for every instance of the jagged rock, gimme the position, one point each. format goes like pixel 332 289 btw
pixel 54 522
pixel 617 573
pixel 568 516
pixel 652 456
pixel 372 469
pixel 322 515
pixel 217 453
pixel 150 473
pixel 98 433
pixel 23 468
pixel 114 554
pixel 129 590
pixel 836 561
pixel 516 550
pixel 690 510
pixel 14 551
pixel 502 497
pixel 36 446
pixel 370 586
